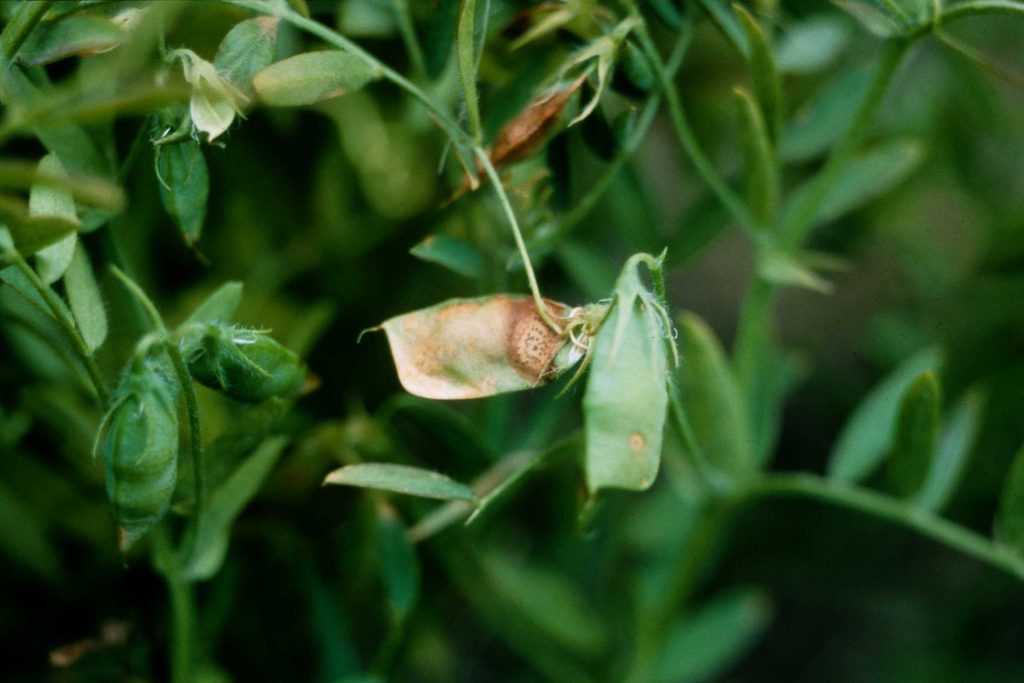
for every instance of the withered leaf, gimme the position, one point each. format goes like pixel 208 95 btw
pixel 521 136
pixel 469 348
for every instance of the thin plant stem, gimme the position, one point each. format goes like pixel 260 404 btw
pixel 510 214
pixel 882 506
pixel 336 39
pixel 20 26
pixel 732 201
pixel 54 303
pixel 155 320
pixel 195 449
pixel 452 129
pixel 412 42
pixel 794 233
pixel 978 7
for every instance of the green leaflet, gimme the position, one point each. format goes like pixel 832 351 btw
pixel 218 307
pixel 246 49
pixel 312 77
pixel 915 436
pixel 626 398
pixel 226 504
pixel 867 435
pixel 184 186
pixel 455 255
pixel 399 566
pixel 53 202
pixel 85 300
pixel 1009 522
pixel 712 400
pixel 411 481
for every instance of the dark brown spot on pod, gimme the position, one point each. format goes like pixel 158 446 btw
pixel 531 345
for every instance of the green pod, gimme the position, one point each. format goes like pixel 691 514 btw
pixel 625 403
pixel 139 442
pixel 246 365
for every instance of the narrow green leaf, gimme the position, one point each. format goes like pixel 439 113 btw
pixel 312 77
pixel 85 300
pixel 871 175
pixel 438 36
pixel 765 73
pixel 867 435
pixel 811 45
pixel 712 400
pixel 74 36
pixel 72 145
pixel 916 435
pixel 219 306
pixel 548 601
pixel 780 268
pixel 702 645
pixel 456 255
pixel 625 402
pixel 1009 522
pixel 30 234
pixel 184 186
pixel 978 7
pixel 955 443
pixel 466 56
pixel 877 21
pixel 760 165
pixel 19 282
pixel 668 12
pixel 47 201
pixel 226 504
pixel 817 125
pixel 246 49
pixel 398 564
pixel 727 22
pixel 411 481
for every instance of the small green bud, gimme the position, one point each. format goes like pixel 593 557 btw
pixel 247 365
pixel 634 77
pixel 139 442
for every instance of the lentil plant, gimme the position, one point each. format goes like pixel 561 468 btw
pixel 548 466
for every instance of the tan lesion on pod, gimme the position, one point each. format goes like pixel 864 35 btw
pixel 468 348
pixel 531 345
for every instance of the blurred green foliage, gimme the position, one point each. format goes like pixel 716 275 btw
pixel 838 187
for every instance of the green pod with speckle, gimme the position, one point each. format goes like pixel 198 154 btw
pixel 139 443
pixel 626 399
pixel 246 365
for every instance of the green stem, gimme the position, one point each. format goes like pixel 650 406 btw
pixel 968 9
pixel 693 562
pixel 155 321
pixel 56 307
pixel 412 42
pixel 337 40
pixel 19 27
pixel 443 119
pixel 885 507
pixel 732 201
pixel 538 300
pixel 182 627
pixel 807 211
pixel 195 448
